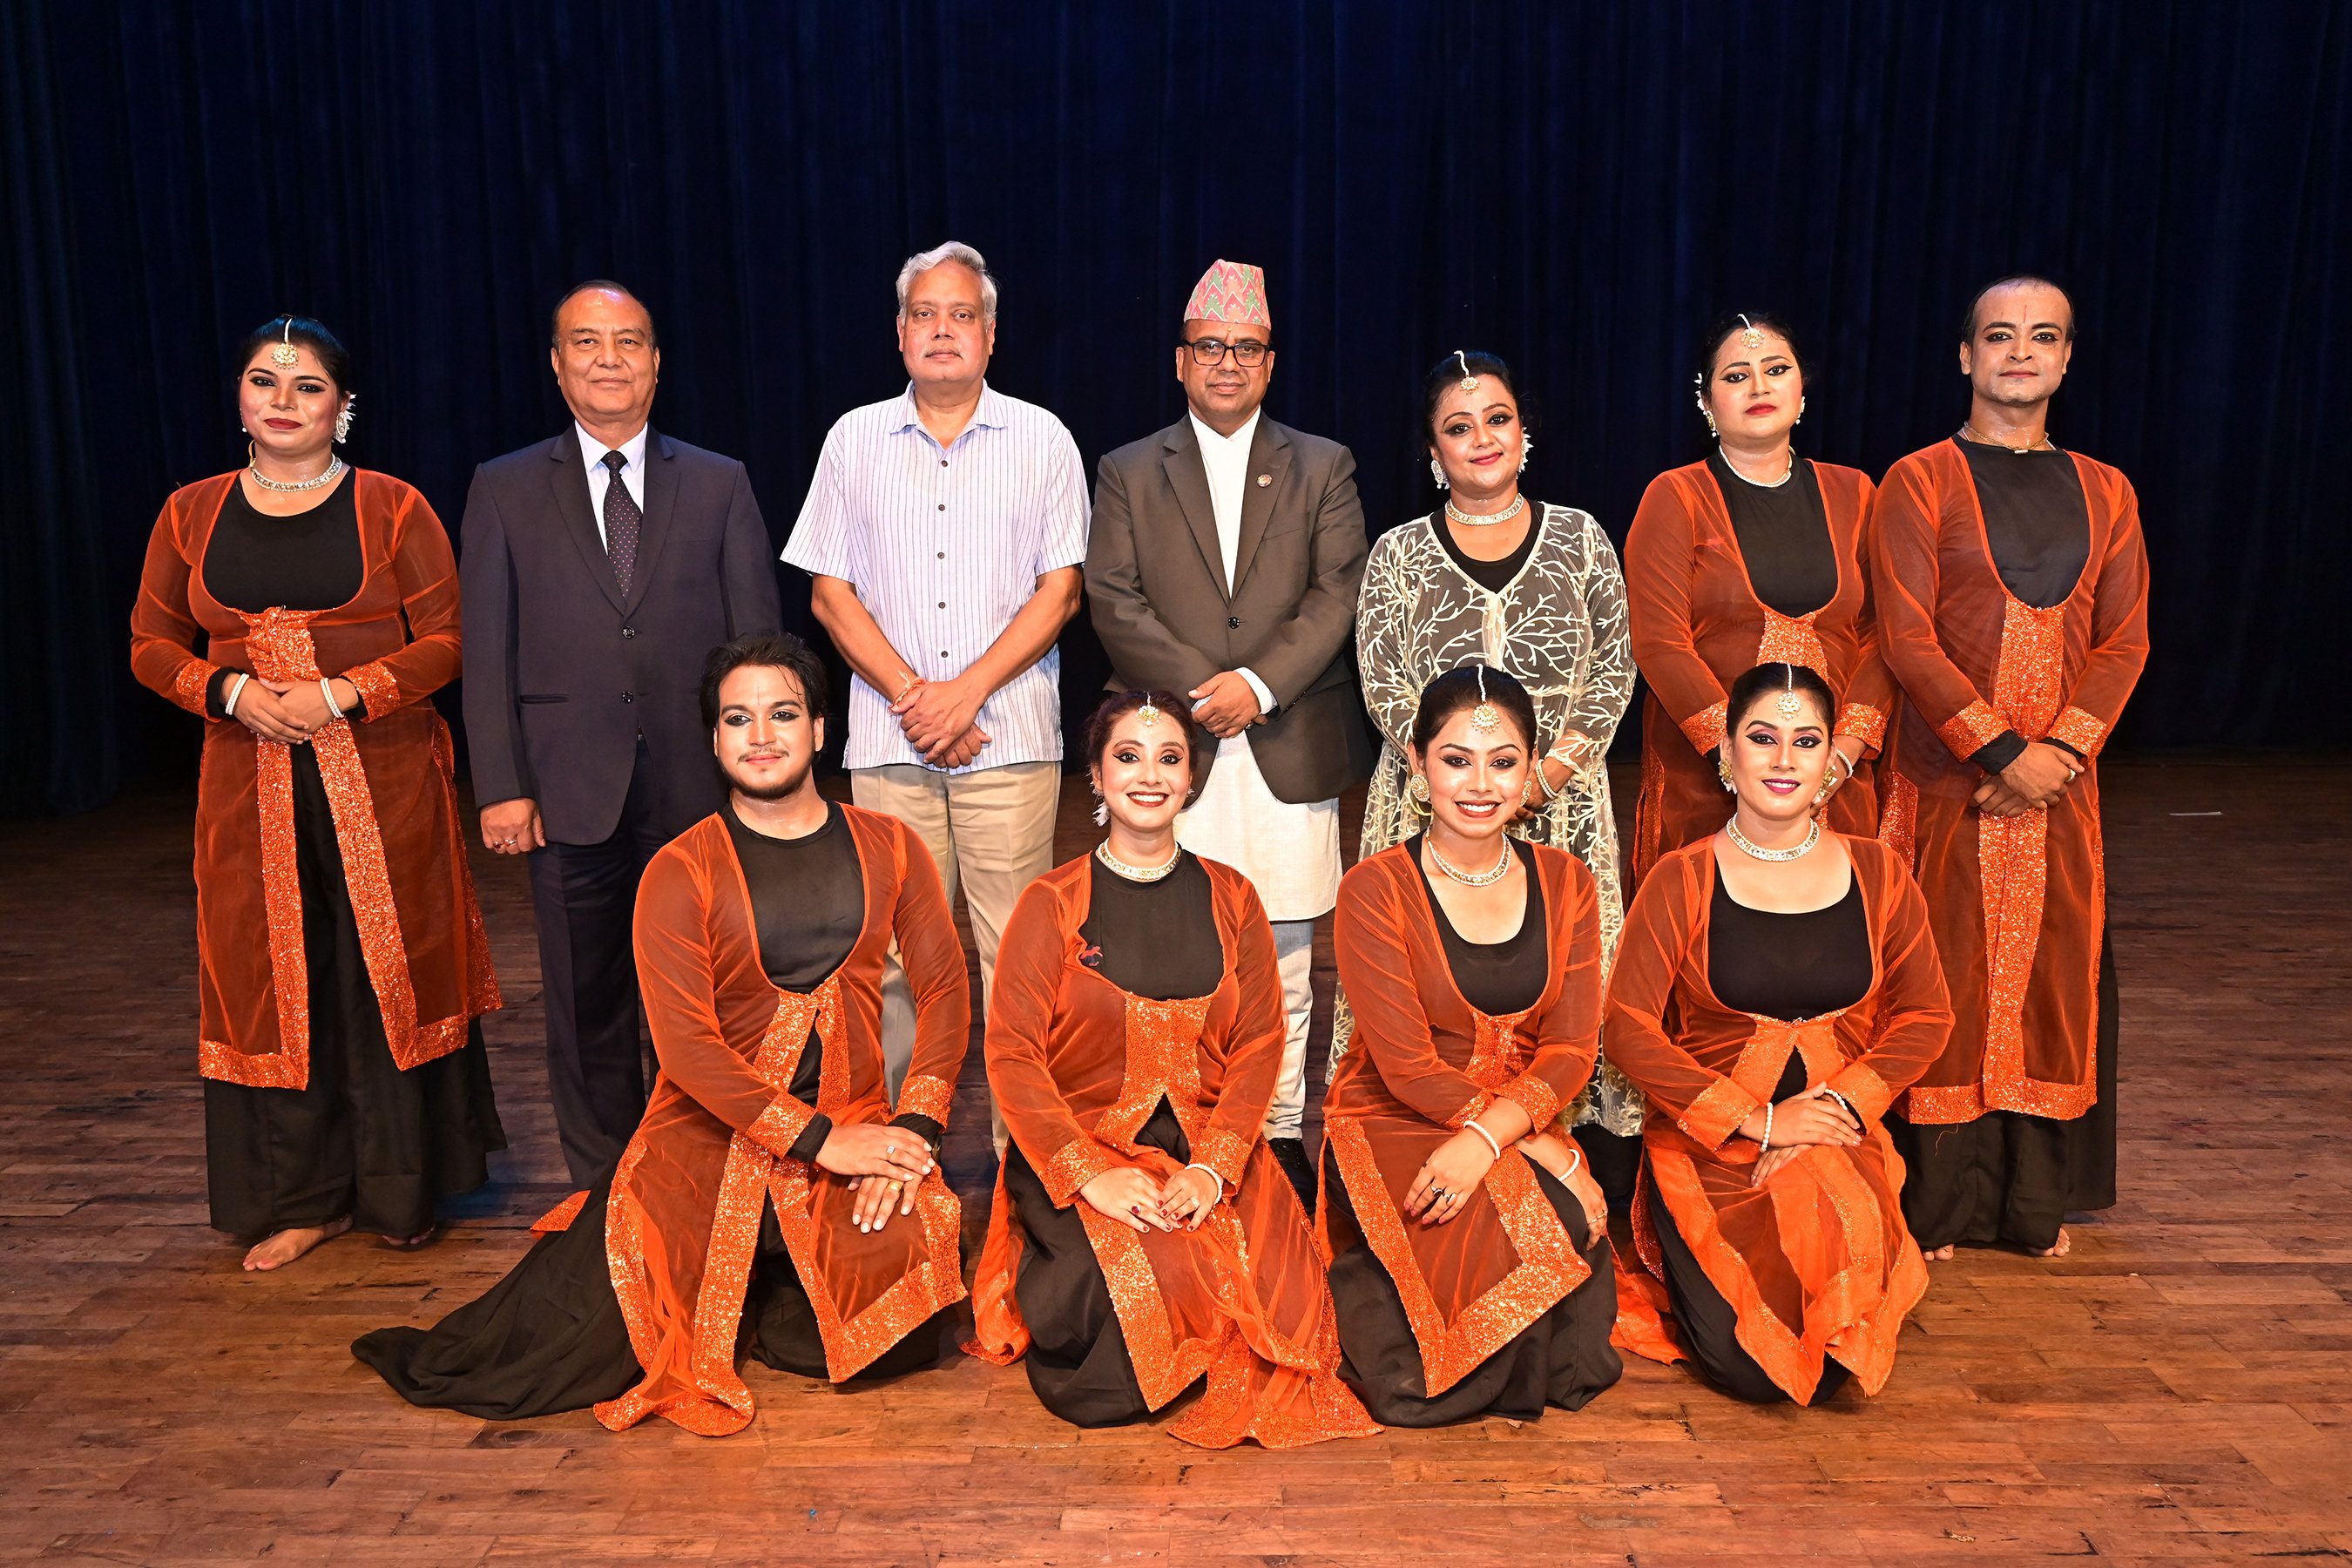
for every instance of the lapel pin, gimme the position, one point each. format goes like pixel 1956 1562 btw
pixel 1264 481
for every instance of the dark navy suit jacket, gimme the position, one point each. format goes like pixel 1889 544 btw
pixel 563 671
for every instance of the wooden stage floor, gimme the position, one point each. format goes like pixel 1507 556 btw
pixel 2179 1389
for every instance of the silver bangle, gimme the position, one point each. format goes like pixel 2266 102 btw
pixel 327 691
pixel 1575 1160
pixel 235 690
pixel 1213 1175
pixel 1472 1125
pixel 1767 1147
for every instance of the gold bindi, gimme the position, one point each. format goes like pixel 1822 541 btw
pixel 1469 382
pixel 285 353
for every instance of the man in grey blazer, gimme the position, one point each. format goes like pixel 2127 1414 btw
pixel 1223 562
pixel 598 570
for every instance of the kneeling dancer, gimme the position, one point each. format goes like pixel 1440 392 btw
pixel 1145 1237
pixel 769 1198
pixel 1468 1243
pixel 1776 987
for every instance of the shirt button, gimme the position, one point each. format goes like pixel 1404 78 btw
pixel 1235 622
pixel 943 462
pixel 943 506
pixel 943 556
pixel 943 603
pixel 943 653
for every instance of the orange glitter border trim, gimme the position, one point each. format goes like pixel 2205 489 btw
pixel 561 1216
pixel 1792 639
pixel 1864 722
pixel 1548 1271
pixel 923 1095
pixel 1704 729
pixel 2084 731
pixel 1972 730
pixel 377 687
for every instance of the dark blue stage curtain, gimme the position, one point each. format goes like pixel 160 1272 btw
pixel 1574 185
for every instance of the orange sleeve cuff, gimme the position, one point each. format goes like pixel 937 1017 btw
pixel 1864 723
pixel 377 688
pixel 1472 1107
pixel 1535 1097
pixel 925 1096
pixel 781 1126
pixel 2081 730
pixel 1224 1151
pixel 1704 729
pixel 1073 1165
pixel 189 685
pixel 1716 1115
pixel 1972 730
pixel 1863 1088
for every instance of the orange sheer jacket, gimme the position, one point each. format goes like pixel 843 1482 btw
pixel 388 780
pixel 1423 1062
pixel 1817 1260
pixel 2019 904
pixel 1078 1065
pixel 1697 627
pixel 683 1221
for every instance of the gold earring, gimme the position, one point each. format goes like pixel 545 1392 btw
pixel 1723 772
pixel 1419 790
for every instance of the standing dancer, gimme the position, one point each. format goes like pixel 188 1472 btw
pixel 1776 988
pixel 2013 594
pixel 1755 555
pixel 772 1202
pixel 307 610
pixel 1469 1246
pixel 1145 1236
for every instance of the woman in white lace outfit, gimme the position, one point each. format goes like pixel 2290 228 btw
pixel 1522 586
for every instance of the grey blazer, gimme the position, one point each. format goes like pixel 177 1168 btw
pixel 1155 577
pixel 562 673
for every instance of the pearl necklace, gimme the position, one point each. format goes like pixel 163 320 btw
pixel 1473 879
pixel 1471 520
pixel 1136 873
pixel 292 487
pixel 1763 484
pixel 1747 845
pixel 2044 445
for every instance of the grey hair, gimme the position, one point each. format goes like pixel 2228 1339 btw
pixel 954 250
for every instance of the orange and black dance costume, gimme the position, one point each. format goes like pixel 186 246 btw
pixel 760 961
pixel 2012 591
pixel 1722 575
pixel 1141 1025
pixel 1779 1291
pixel 1506 1307
pixel 340 958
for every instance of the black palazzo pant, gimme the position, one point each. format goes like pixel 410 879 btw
pixel 1563 1358
pixel 363 1139
pixel 2008 1179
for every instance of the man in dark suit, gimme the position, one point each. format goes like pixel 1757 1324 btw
pixel 1223 562
pixel 598 571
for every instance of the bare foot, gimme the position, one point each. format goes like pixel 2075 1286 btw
pixel 283 1249
pixel 1938 1254
pixel 2065 1245
pixel 409 1243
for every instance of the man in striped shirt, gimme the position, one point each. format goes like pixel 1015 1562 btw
pixel 945 530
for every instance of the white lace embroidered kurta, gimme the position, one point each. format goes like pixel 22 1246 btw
pixel 1560 626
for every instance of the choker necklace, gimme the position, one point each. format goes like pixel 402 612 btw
pixel 1473 879
pixel 1748 847
pixel 2044 445
pixel 1136 873
pixel 290 486
pixel 1471 520
pixel 1763 484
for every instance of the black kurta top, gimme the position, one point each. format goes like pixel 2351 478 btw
pixel 1491 575
pixel 2037 527
pixel 1154 939
pixel 1499 978
pixel 1784 537
pixel 309 561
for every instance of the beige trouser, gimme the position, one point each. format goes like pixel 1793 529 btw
pixel 990 831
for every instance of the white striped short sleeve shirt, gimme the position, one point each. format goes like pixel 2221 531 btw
pixel 944 545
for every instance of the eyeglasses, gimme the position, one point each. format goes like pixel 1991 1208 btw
pixel 1248 352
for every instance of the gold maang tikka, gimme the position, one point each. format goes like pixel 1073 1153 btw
pixel 285 353
pixel 1485 717
pixel 1749 338
pixel 1148 715
pixel 1791 704
pixel 1469 382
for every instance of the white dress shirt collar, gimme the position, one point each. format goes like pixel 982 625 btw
pixel 633 449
